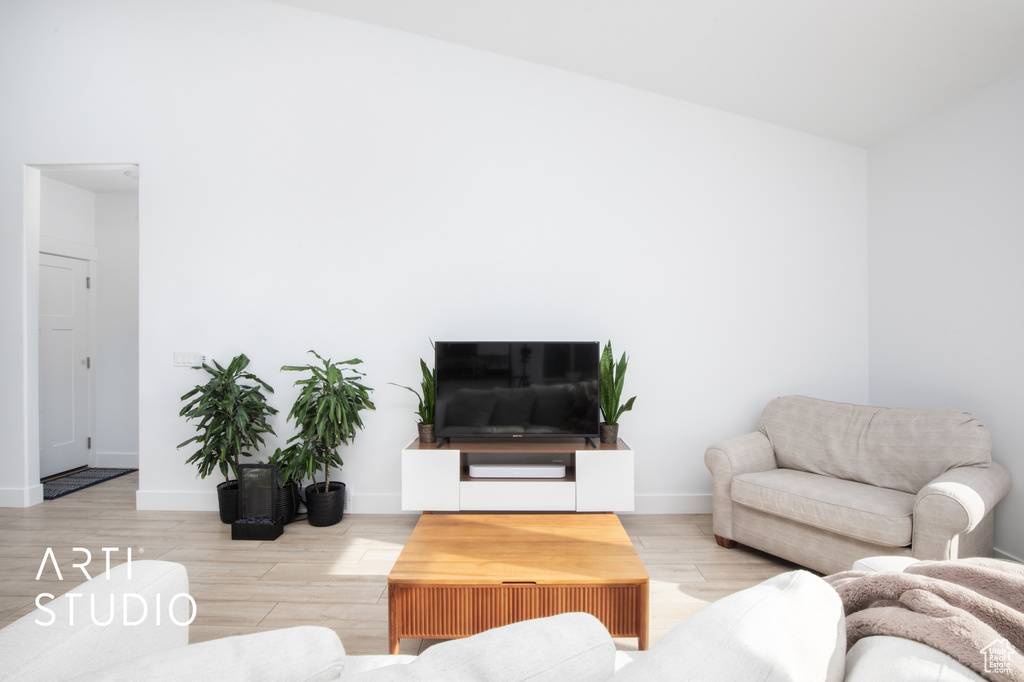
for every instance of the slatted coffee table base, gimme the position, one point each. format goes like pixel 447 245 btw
pixel 452 611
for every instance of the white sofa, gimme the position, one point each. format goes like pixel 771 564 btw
pixel 725 641
pixel 823 484
pixel 791 627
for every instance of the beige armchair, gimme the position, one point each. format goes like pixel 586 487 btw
pixel 823 484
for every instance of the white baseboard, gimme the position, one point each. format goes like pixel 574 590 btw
pixel 164 500
pixel 1000 554
pixel 643 504
pixel 115 460
pixel 391 503
pixel 672 504
pixel 375 504
pixel 21 497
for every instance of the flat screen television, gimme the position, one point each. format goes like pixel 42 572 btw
pixel 516 389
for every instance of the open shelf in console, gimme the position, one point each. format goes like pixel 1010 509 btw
pixel 570 477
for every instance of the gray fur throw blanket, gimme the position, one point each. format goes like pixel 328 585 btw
pixel 971 609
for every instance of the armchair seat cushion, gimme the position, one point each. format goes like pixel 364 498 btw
pixel 859 510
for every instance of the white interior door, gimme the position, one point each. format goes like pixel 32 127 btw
pixel 63 364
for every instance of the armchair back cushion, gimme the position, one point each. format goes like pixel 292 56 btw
pixel 897 448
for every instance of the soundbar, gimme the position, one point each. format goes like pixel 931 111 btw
pixel 517 471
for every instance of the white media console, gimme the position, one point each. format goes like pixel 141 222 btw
pixel 596 479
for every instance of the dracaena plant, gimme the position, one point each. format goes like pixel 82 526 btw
pixel 231 410
pixel 288 469
pixel 425 409
pixel 613 376
pixel 326 414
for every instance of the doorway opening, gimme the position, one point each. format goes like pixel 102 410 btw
pixel 88 311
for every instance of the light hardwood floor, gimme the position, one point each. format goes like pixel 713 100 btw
pixel 334 576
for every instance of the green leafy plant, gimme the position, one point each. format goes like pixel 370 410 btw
pixel 613 376
pixel 232 416
pixel 326 413
pixel 289 467
pixel 425 410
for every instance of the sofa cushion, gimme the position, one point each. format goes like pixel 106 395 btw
pixel 361 664
pixel 862 511
pixel 898 448
pixel 790 627
pixel 894 658
pixel 884 564
pixel 571 646
pixel 65 639
pixel 299 654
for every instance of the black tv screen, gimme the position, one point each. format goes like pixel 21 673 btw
pixel 516 389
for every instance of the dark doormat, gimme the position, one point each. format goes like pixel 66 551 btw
pixel 64 485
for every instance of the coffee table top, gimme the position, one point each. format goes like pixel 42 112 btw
pixel 489 549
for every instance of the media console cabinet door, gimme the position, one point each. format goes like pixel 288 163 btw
pixel 604 480
pixel 430 480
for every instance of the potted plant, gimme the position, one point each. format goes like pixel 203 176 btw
pixel 326 413
pixel 232 412
pixel 613 375
pixel 289 474
pixel 425 410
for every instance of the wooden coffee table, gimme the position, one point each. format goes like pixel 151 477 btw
pixel 460 574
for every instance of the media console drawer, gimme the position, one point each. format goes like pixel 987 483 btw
pixel 517 495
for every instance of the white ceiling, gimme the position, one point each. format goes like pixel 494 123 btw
pixel 849 70
pixel 99 178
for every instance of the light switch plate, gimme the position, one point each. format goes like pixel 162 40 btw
pixel 188 358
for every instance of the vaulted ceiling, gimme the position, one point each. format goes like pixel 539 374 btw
pixel 849 70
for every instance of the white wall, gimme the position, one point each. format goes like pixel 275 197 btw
pixel 947 283
pixel 116 443
pixel 67 213
pixel 312 182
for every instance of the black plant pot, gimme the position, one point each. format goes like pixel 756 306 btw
pixel 325 508
pixel 287 501
pixel 227 500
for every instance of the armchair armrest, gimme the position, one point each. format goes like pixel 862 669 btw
pixel 740 455
pixel 728 458
pixel 955 503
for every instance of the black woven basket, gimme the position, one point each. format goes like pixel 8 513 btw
pixel 325 508
pixel 227 501
pixel 287 501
